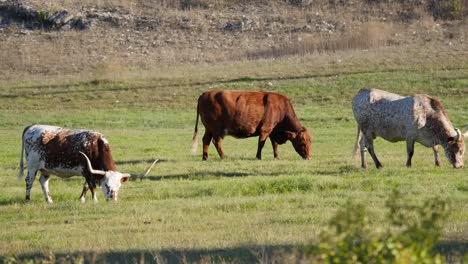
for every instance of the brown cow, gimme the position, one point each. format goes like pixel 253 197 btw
pixel 243 114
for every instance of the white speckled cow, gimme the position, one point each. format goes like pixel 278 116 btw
pixel 62 152
pixel 418 118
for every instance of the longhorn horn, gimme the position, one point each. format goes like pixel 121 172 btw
pixel 459 135
pixel 141 175
pixel 93 171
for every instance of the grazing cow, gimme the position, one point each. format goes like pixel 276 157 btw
pixel 245 114
pixel 418 118
pixel 63 152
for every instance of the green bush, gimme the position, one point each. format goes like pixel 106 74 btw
pixel 409 236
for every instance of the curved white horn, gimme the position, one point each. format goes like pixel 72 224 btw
pixel 141 175
pixel 93 171
pixel 459 135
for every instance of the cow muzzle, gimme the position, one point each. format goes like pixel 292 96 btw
pixel 113 196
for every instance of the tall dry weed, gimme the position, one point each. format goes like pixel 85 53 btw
pixel 369 35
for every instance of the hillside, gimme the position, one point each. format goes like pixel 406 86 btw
pixel 116 36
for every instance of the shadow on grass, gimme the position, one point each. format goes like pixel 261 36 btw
pixel 248 254
pixel 149 161
pixel 453 251
pixel 208 174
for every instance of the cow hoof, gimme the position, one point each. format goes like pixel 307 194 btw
pixel 82 200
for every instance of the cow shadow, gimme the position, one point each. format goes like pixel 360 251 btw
pixel 247 254
pixel 220 174
pixel 453 251
pixel 149 161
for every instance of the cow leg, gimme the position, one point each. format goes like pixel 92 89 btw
pixel 29 182
pixel 91 184
pixel 206 143
pixel 370 147
pixel 275 149
pixel 83 193
pixel 92 187
pixel 217 142
pixel 436 155
pixel 261 142
pixel 410 151
pixel 362 146
pixel 44 180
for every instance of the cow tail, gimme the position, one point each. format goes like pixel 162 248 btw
pixel 21 164
pixel 195 132
pixel 356 143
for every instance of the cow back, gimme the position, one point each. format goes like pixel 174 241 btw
pixel 243 113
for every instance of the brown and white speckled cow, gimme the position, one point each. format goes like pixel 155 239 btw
pixel 62 152
pixel 418 118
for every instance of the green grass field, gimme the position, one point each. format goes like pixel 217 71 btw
pixel 239 209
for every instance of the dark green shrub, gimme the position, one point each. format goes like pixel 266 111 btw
pixel 409 236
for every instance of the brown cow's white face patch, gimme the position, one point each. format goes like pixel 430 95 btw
pixel 111 182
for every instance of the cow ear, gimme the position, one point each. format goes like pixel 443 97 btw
pixel 290 135
pixel 125 178
pixel 451 140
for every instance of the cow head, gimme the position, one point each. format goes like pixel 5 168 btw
pixel 455 150
pixel 301 141
pixel 112 180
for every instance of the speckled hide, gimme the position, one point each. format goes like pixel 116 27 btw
pixel 418 118
pixel 56 151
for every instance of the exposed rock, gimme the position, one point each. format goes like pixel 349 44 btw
pixel 30 18
pixel 300 2
pixel 244 24
pixel 324 26
pixel 233 26
pixel 59 19
pixel 80 23
pixel 147 23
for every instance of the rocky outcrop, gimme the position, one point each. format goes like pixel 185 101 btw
pixel 16 12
